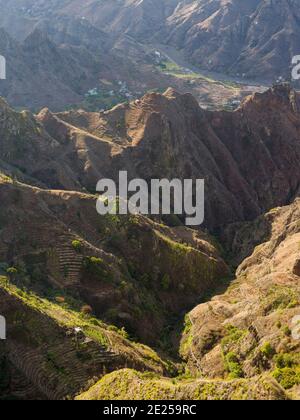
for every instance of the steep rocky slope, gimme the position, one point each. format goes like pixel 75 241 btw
pixel 252 328
pixel 69 63
pixel 56 256
pixel 255 39
pixel 130 270
pixel 243 344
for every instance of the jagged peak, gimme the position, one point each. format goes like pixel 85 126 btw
pixel 44 113
pixel 171 93
pixel 45 116
pixel 282 94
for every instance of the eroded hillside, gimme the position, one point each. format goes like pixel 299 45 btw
pixel 243 344
pixel 252 328
pixel 131 270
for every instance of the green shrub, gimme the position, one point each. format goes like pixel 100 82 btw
pixel 279 298
pixel 267 350
pixel 286 331
pixel 96 266
pixel 187 324
pixel 233 366
pixel 284 360
pixel 123 333
pixel 233 335
pixel 77 245
pixel 287 377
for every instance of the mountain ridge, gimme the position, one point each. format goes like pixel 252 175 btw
pixel 181 140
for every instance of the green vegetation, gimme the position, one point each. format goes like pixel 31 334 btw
pixel 173 69
pixel 35 310
pixel 284 360
pixel 6 179
pixel 268 350
pixel 287 377
pixel 286 331
pixel 96 266
pixel 233 336
pixel 64 317
pixel 230 343
pixel 287 371
pixel 187 336
pixel 130 384
pixel 103 100
pixel 177 247
pixel 77 245
pixel 279 298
